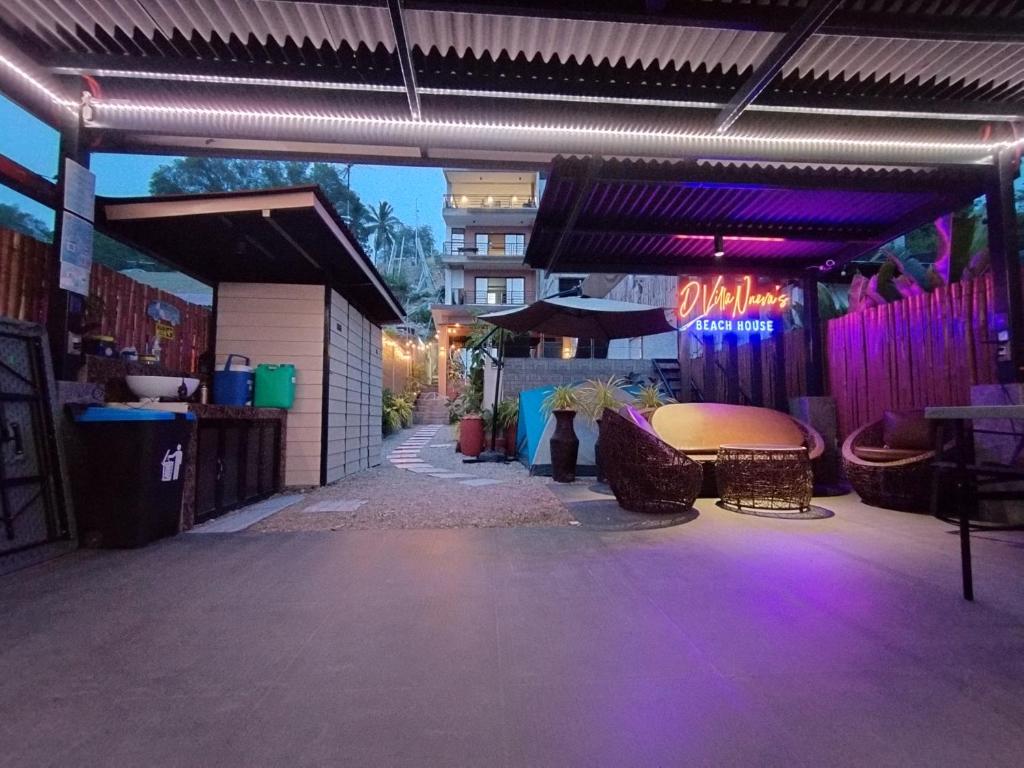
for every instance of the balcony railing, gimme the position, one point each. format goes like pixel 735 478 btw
pixel 493 298
pixel 489 201
pixel 470 251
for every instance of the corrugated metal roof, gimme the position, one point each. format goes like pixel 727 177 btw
pixel 550 38
pixel 663 216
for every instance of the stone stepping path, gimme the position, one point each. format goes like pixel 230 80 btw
pixel 407 456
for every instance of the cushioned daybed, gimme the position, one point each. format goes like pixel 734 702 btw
pixel 698 429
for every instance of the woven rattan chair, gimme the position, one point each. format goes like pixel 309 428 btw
pixel 898 480
pixel 645 473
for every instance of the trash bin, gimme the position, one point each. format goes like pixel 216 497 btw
pixel 128 474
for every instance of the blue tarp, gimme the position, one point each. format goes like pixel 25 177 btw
pixel 535 428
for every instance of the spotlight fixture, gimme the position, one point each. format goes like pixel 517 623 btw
pixel 719 246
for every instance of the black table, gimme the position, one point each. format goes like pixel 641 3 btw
pixel 967 476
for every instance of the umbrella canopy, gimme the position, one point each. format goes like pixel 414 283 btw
pixel 584 318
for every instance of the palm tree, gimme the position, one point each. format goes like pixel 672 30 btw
pixel 382 224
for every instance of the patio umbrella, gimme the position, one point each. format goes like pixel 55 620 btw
pixel 584 318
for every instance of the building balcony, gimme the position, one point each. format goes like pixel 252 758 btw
pixel 489 202
pixel 469 251
pixel 492 298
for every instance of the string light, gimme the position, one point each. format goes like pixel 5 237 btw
pixel 335 85
pixel 552 129
pixel 39 85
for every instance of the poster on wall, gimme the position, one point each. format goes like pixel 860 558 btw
pixel 75 253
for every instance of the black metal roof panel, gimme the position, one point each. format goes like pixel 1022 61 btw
pixel 290 235
pixel 663 217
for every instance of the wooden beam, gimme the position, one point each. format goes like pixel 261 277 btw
pixel 809 22
pixel 26 182
pixel 732 368
pixel 815 343
pixel 756 370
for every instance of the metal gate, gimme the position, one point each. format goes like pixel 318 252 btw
pixel 33 497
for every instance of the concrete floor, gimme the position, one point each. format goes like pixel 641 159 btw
pixel 729 640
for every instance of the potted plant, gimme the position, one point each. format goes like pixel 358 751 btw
pixel 508 419
pixel 650 398
pixel 563 401
pixel 598 394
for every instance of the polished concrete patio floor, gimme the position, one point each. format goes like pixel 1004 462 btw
pixel 729 640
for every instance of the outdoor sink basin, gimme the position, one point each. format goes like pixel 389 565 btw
pixel 155 387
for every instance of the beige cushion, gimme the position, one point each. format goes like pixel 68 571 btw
pixel 696 428
pixel 876 454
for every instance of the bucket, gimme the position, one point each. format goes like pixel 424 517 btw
pixel 233 385
pixel 275 386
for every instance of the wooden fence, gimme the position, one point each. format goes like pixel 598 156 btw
pixel 923 350
pixel 117 305
pixel 714 388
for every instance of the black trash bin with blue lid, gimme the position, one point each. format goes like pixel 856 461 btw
pixel 128 474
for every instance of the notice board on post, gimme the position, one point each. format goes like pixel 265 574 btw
pixel 76 236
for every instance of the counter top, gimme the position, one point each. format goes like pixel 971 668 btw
pixel 975 412
pixel 209 410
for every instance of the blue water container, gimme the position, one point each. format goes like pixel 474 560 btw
pixel 233 385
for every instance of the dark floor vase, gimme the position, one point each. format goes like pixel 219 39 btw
pixel 565 447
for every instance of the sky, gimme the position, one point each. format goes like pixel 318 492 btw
pixel 415 193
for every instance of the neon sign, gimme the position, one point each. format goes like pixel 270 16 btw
pixel 717 307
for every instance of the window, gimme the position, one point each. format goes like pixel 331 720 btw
pixel 481 243
pixel 499 290
pixel 515 244
pixel 458 239
pixel 515 290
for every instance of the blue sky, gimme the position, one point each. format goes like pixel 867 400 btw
pixel 416 193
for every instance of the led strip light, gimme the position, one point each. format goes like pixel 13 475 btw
pixel 571 130
pixel 520 95
pixel 982 148
pixel 39 86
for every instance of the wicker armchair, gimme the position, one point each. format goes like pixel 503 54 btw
pixel 645 473
pixel 900 480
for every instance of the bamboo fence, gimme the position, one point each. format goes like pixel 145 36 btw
pixel 919 351
pixel 117 305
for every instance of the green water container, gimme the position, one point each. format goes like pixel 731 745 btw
pixel 275 386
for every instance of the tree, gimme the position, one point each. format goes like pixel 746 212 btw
pixel 12 217
pixel 214 174
pixel 382 226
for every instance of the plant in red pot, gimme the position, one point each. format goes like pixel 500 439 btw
pixel 471 435
pixel 563 402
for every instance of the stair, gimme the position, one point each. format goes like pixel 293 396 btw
pixel 430 408
pixel 667 371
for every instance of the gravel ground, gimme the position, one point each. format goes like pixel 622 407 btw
pixel 399 498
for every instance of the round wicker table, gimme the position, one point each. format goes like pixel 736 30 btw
pixel 771 477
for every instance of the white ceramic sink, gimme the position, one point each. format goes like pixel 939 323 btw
pixel 155 387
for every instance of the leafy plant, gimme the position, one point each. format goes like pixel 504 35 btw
pixel 598 394
pixel 564 397
pixel 391 417
pixel 508 411
pixel 651 396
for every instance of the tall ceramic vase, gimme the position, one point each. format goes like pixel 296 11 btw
pixel 565 447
